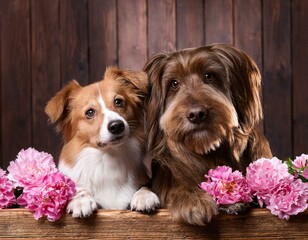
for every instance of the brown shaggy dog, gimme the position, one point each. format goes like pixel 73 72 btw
pixel 203 112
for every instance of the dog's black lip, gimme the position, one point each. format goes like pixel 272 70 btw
pixel 117 140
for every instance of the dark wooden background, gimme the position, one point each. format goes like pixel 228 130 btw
pixel 45 43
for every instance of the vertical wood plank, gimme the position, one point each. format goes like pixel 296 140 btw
pixel 218 21
pixel 15 79
pixel 46 67
pixel 300 73
pixel 161 26
pixel 132 25
pixel 247 31
pixel 74 41
pixel 102 37
pixel 248 28
pixel 277 76
pixel 190 23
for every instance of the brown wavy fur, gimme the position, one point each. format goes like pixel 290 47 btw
pixel 225 84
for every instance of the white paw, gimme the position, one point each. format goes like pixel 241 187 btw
pixel 144 200
pixel 82 205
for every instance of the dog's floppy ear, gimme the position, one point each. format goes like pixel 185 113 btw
pixel 57 106
pixel 138 79
pixel 155 68
pixel 245 84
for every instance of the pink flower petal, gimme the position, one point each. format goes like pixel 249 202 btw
pixel 264 175
pixel 289 198
pixel 226 187
pixel 300 162
pixel 7 197
pixel 29 166
pixel 49 196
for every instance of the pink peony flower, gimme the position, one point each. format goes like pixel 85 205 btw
pixel 300 166
pixel 264 175
pixel 300 162
pixel 30 166
pixel 288 198
pixel 48 196
pixel 7 197
pixel 226 187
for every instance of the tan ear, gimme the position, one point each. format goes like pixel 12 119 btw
pixel 138 79
pixel 56 105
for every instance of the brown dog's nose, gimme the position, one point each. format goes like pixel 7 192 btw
pixel 197 115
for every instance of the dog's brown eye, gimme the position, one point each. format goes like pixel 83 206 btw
pixel 118 102
pixel 90 113
pixel 174 84
pixel 209 77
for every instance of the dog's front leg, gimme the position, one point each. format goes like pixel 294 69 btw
pixel 191 205
pixel 82 204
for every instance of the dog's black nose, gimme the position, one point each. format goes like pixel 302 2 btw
pixel 116 127
pixel 197 115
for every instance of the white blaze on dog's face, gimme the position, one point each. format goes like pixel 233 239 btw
pixel 102 114
pixel 114 127
pixel 203 96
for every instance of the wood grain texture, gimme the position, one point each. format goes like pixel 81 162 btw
pixel 15 79
pixel 103 45
pixel 257 224
pixel 218 21
pixel 132 34
pixel 46 71
pixel 74 41
pixel 190 23
pixel 162 26
pixel 300 73
pixel 248 28
pixel 277 80
pixel 247 32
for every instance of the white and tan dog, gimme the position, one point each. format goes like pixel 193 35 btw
pixel 103 131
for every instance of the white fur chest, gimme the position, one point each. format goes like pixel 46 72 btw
pixel 108 175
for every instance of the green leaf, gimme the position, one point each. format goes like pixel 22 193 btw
pixel 289 162
pixel 303 178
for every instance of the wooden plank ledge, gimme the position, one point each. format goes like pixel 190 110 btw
pixel 106 224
